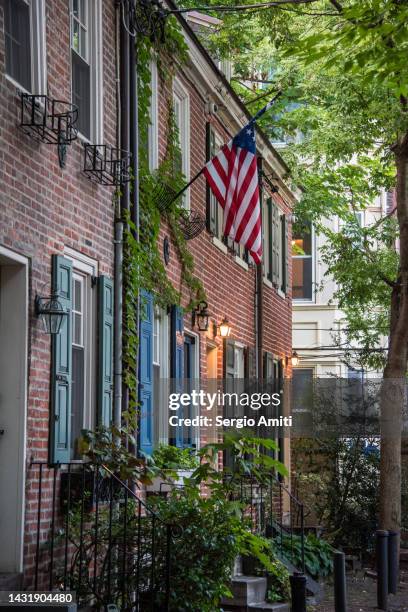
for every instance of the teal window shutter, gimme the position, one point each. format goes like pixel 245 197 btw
pixel 105 350
pixel 177 366
pixel 146 373
pixel 61 366
pixel 211 202
pixel 275 244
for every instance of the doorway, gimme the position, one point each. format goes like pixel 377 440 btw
pixel 13 401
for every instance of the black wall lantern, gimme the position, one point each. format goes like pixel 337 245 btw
pixel 200 316
pixel 51 312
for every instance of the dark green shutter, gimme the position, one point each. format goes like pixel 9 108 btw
pixel 212 204
pixel 61 366
pixel 285 254
pixel 268 237
pixel 268 367
pixel 275 244
pixel 229 359
pixel 250 363
pixel 105 350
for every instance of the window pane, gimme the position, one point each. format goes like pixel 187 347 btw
pixel 81 92
pixel 18 45
pixel 302 288
pixel 302 240
pixel 77 295
pixel 77 329
pixel 77 408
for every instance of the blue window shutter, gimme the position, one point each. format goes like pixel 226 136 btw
pixel 177 364
pixel 61 366
pixel 105 350
pixel 146 373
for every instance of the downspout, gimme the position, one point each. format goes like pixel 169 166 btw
pixel 118 252
pixel 134 151
pixel 259 291
pixel 124 145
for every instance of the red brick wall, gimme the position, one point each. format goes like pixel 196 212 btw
pixel 44 208
pixel 229 287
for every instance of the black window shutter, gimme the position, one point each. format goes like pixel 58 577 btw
pixel 211 203
pixel 18 42
pixel 61 366
pixel 81 93
pixel 105 350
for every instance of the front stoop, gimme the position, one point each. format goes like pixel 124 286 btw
pixel 272 607
pixel 246 590
pixel 248 593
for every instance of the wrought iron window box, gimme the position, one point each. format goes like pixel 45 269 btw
pixel 50 121
pixel 106 165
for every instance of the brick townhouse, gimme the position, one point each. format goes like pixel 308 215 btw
pixel 57 241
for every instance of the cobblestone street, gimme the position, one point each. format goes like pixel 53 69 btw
pixel 362 595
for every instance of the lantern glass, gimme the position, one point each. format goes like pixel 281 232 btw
pixel 202 321
pixel 295 359
pixel 225 328
pixel 201 316
pixel 51 312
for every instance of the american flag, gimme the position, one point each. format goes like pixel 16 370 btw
pixel 233 177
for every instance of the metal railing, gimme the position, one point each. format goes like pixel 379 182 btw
pixel 276 514
pixel 90 532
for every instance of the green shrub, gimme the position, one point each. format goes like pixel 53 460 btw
pixel 318 554
pixel 171 458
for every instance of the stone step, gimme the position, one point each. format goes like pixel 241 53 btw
pixel 246 590
pixel 273 607
pixel 11 582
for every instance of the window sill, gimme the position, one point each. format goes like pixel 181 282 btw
pixel 219 244
pixel 19 88
pixel 241 262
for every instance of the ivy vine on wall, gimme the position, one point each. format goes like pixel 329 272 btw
pixel 143 264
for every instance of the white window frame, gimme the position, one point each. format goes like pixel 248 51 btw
pixel 313 256
pixel 153 131
pixel 38 50
pixel 88 268
pixel 239 360
pixel 95 61
pixel 181 94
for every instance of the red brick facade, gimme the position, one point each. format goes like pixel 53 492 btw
pixel 44 209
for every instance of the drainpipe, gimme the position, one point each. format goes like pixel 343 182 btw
pixel 134 150
pixel 124 145
pixel 118 253
pixel 259 293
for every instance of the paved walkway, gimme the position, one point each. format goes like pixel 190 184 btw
pixel 362 595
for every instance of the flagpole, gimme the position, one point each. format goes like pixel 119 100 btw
pixel 254 118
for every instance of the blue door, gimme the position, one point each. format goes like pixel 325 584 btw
pixel 146 373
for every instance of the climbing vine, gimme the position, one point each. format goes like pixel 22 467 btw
pixel 143 264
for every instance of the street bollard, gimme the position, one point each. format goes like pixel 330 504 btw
pixel 393 565
pixel 298 590
pixel 382 569
pixel 339 566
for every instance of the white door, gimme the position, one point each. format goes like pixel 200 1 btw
pixel 13 375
